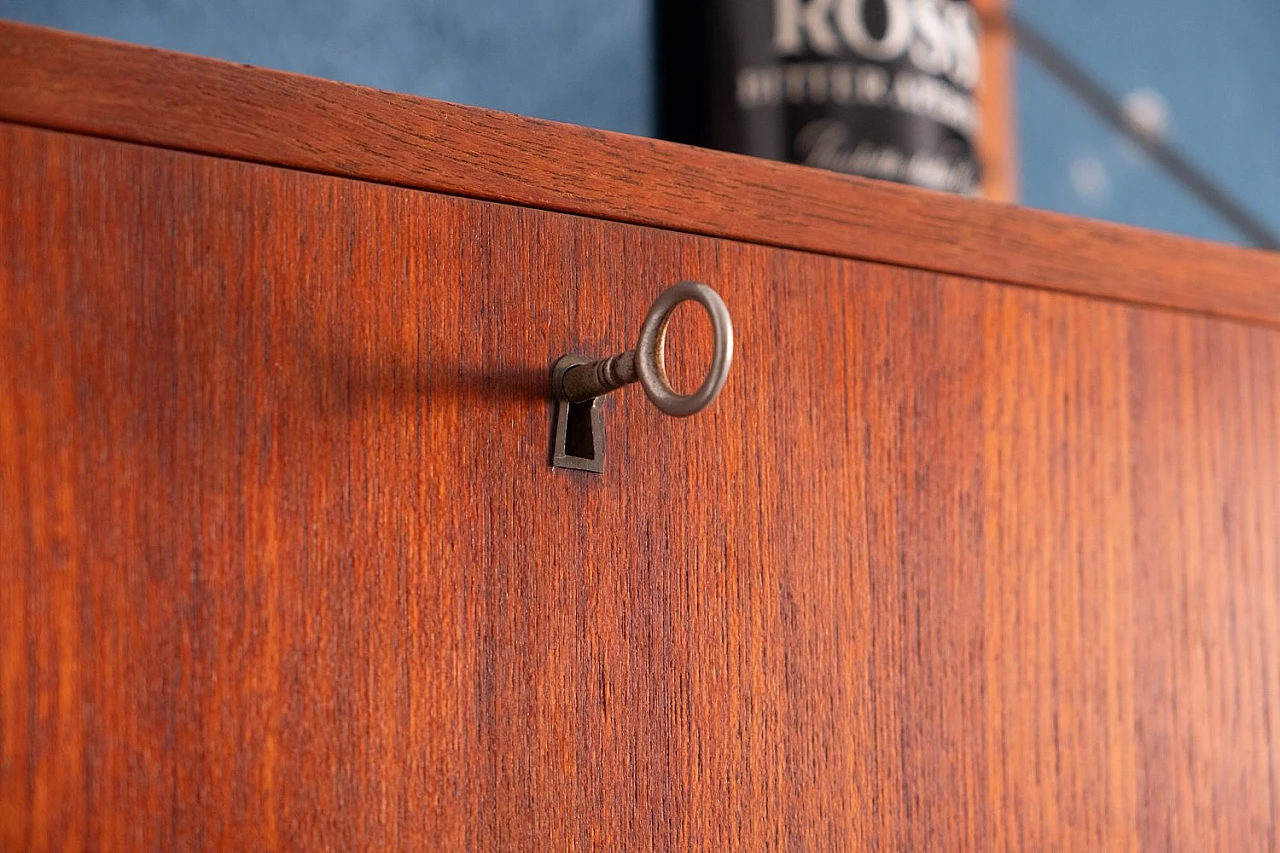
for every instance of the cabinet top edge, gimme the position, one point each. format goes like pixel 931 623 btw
pixel 94 86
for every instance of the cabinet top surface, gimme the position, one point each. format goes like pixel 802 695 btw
pixel 97 87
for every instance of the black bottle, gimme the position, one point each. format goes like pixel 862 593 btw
pixel 879 88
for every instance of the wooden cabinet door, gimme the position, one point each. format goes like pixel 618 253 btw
pixel 949 564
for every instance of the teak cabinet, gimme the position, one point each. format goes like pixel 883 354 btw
pixel 977 550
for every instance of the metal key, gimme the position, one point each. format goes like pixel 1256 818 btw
pixel 577 382
pixel 645 363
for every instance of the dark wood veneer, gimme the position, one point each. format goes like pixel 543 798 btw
pixel 949 565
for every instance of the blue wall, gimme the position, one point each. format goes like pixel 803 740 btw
pixel 1213 64
pixel 1216 65
pixel 589 63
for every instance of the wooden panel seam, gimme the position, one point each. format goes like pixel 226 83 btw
pixel 1250 321
pixel 101 88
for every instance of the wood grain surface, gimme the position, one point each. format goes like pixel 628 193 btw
pixel 87 85
pixel 949 565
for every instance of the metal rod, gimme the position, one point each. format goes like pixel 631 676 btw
pixel 588 381
pixel 1177 165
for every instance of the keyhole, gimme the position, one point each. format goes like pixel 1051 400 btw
pixel 580 439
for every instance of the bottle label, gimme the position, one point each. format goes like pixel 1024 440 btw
pixel 879 88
